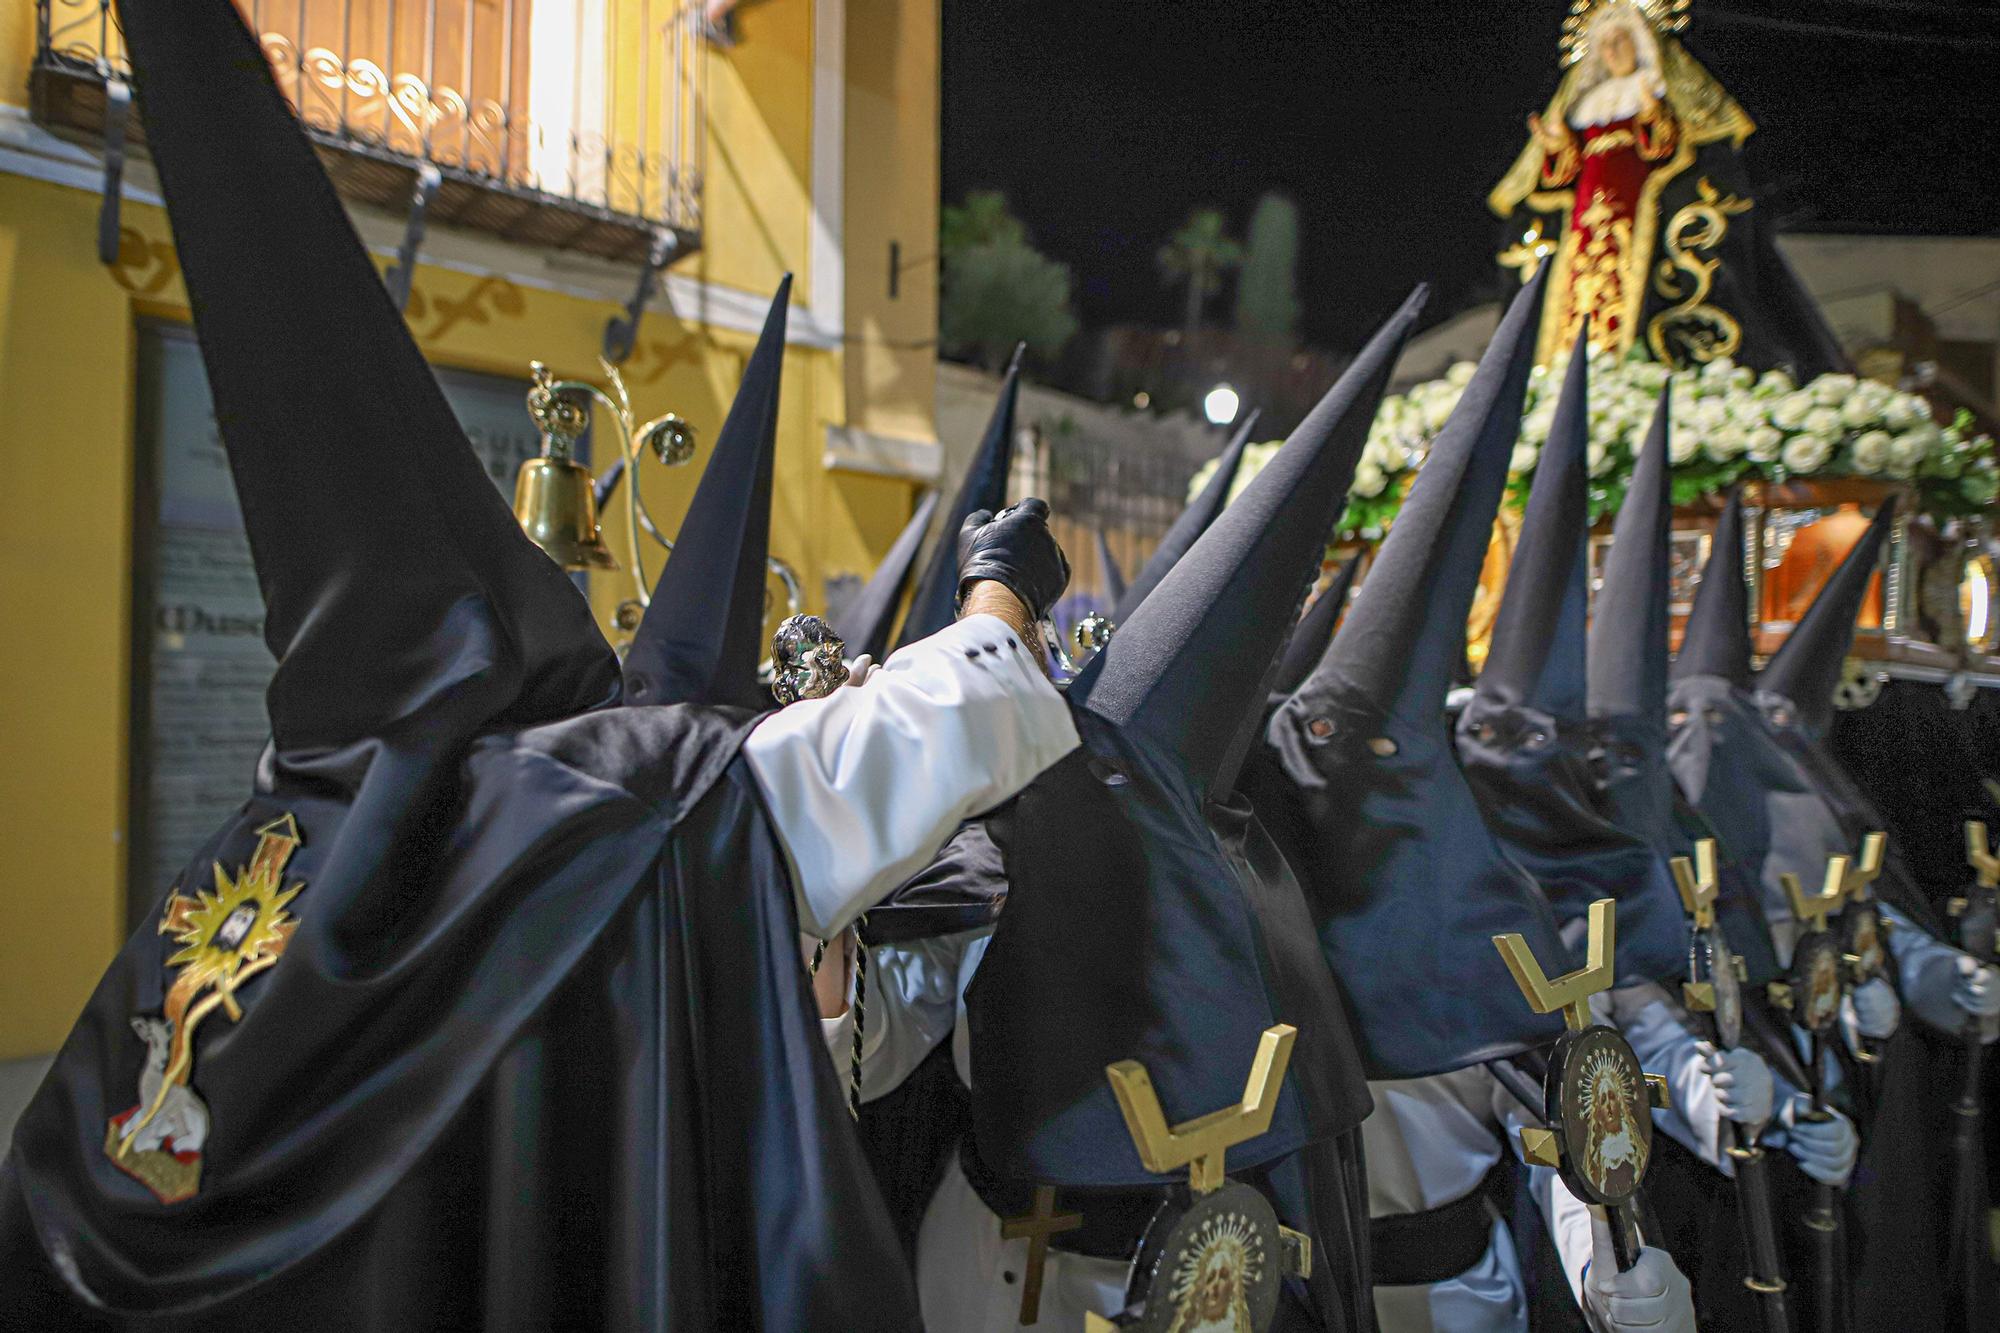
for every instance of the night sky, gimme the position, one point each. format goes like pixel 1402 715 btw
pixel 1104 121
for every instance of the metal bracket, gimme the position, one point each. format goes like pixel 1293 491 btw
pixel 621 332
pixel 401 272
pixel 117 121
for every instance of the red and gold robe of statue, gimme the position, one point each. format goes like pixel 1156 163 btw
pixel 1608 165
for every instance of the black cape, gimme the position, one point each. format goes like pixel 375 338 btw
pixel 563 1005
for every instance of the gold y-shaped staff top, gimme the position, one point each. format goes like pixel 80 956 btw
pixel 1858 884
pixel 1980 854
pixel 1812 911
pixel 1202 1144
pixel 1696 881
pixel 1571 992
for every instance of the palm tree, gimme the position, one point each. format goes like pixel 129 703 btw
pixel 1198 255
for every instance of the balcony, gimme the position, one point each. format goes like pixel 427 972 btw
pixel 558 124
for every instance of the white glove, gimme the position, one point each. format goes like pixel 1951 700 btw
pixel 1977 990
pixel 1742 1083
pixel 1947 986
pixel 1876 1009
pixel 1653 1295
pixel 1825 1149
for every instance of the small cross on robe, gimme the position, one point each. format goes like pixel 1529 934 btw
pixel 1040 1224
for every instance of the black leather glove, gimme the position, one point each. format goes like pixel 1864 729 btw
pixel 1015 549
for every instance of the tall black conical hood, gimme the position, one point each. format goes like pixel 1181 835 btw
pixel 703 635
pixel 1114 577
pixel 1627 698
pixel 1629 630
pixel 935 602
pixel 1188 667
pixel 1537 654
pixel 1193 521
pixel 1716 641
pixel 1361 792
pixel 1522 740
pixel 1315 629
pixel 395 580
pixel 1806 667
pixel 865 622
pixel 1405 634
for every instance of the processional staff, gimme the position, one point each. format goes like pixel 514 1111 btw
pixel 1713 992
pixel 1978 915
pixel 1595 1098
pixel 1213 1254
pixel 1812 995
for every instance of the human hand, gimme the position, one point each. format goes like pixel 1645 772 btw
pixel 1742 1082
pixel 1653 1294
pixel 1825 1149
pixel 1015 549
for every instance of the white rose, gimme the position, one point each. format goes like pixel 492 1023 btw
pixel 1648 376
pixel 1597 458
pixel 1724 443
pixel 1905 410
pixel 1710 413
pixel 1807 453
pixel 1535 426
pixel 1871 451
pixel 1789 412
pixel 1681 445
pixel 1436 410
pixel 1910 448
pixel 1774 384
pixel 1832 390
pixel 1460 373
pixel 1822 421
pixel 1718 369
pixel 1762 444
pixel 1861 411
pixel 1525 457
pixel 1369 481
pixel 1742 379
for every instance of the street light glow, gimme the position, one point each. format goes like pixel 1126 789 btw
pixel 1221 404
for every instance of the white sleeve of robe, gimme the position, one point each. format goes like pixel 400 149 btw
pixel 864 785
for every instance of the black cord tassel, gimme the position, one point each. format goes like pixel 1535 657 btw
pixel 860 1017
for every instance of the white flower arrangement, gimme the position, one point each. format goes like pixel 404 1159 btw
pixel 1728 424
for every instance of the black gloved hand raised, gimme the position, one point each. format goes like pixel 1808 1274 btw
pixel 1015 549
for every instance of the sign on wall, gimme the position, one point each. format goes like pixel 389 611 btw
pixel 200 667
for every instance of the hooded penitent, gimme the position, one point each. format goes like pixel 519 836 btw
pixel 1148 922
pixel 1795 690
pixel 703 635
pixel 1359 784
pixel 935 602
pixel 866 620
pixel 1627 697
pixel 414 1041
pixel 1523 739
pixel 1193 521
pixel 1761 805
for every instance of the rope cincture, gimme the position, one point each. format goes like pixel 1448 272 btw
pixel 860 1017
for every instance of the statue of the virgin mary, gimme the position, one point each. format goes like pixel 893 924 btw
pixel 1636 163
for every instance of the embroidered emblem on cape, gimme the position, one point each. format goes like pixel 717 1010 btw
pixel 226 937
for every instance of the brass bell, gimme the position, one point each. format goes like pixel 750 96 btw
pixel 556 506
pixel 555 499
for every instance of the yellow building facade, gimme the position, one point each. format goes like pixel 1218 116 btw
pixel 818 137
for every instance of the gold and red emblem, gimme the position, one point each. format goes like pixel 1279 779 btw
pixel 226 936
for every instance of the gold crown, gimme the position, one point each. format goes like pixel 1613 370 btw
pixel 1663 15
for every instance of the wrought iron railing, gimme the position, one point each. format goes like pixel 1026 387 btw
pixel 572 124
